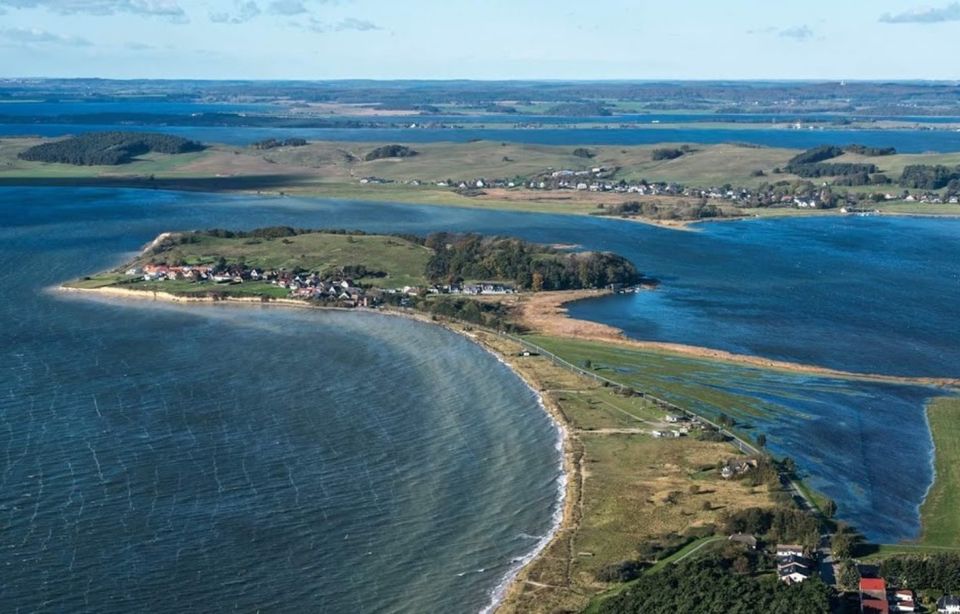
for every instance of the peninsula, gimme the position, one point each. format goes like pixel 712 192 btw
pixel 648 483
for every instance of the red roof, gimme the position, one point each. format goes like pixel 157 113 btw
pixel 874 606
pixel 872 584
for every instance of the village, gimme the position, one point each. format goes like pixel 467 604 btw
pixel 335 287
pixel 799 194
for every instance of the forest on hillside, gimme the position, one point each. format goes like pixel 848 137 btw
pixel 108 148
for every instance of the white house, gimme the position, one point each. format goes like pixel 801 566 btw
pixel 948 604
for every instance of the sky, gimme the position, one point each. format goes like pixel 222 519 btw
pixel 480 39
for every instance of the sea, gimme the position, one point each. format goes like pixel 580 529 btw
pixel 219 458
pixel 185 118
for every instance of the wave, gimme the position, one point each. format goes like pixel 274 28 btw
pixel 499 591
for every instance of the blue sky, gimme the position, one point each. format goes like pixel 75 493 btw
pixel 480 39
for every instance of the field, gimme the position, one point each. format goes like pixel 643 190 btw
pixel 402 261
pixel 941 510
pixel 626 486
pixel 334 170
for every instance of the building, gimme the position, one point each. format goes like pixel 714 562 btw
pixel 903 601
pixel 948 604
pixel 793 573
pixel 873 596
pixel 791 566
pixel 788 550
pixel 746 539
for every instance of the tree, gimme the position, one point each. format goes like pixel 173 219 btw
pixel 588 364
pixel 830 508
pixel 761 440
pixel 842 545
pixel 849 576
pixel 536 283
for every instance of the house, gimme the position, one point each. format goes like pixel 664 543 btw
pixel 873 596
pixel 903 601
pixel 744 538
pixel 787 550
pixel 948 604
pixel 793 567
pixel 793 573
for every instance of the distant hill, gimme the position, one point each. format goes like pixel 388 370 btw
pixel 108 148
pixel 579 109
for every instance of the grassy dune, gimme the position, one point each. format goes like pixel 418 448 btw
pixel 403 262
pixel 940 512
pixel 619 485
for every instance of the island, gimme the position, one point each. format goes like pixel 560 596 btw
pixel 672 184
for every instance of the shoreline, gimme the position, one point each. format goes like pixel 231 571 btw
pixel 294 191
pixel 570 481
pixel 548 314
pixel 562 518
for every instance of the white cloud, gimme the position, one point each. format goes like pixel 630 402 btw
pixel 33 36
pixel 169 9
pixel 360 25
pixel 951 12
pixel 245 11
pixel 797 33
pixel 287 7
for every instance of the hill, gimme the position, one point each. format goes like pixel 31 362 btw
pixel 108 148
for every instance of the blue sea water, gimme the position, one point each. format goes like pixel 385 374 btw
pixel 229 459
pixel 170 459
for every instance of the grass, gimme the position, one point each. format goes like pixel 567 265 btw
pixel 669 375
pixel 403 262
pixel 627 476
pixel 940 513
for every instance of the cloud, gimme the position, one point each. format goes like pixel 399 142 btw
pixel 797 33
pixel 245 12
pixel 287 7
pixel 168 9
pixel 360 25
pixel 37 36
pixel 951 12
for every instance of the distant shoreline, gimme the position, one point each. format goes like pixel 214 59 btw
pixel 239 186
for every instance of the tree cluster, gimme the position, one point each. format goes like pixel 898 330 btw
pixel 108 148
pixel 781 524
pixel 832 169
pixel 528 265
pixel 935 571
pixel 274 143
pixel 863 150
pixel 928 177
pixel 714 585
pixel 491 315
pixel 656 210
pixel 390 151
pixel 666 153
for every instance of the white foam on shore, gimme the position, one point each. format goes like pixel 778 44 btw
pixel 500 590
pixel 933 466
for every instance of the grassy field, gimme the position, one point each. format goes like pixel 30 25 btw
pixel 940 512
pixel 672 376
pixel 403 262
pixel 621 488
pixel 334 170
